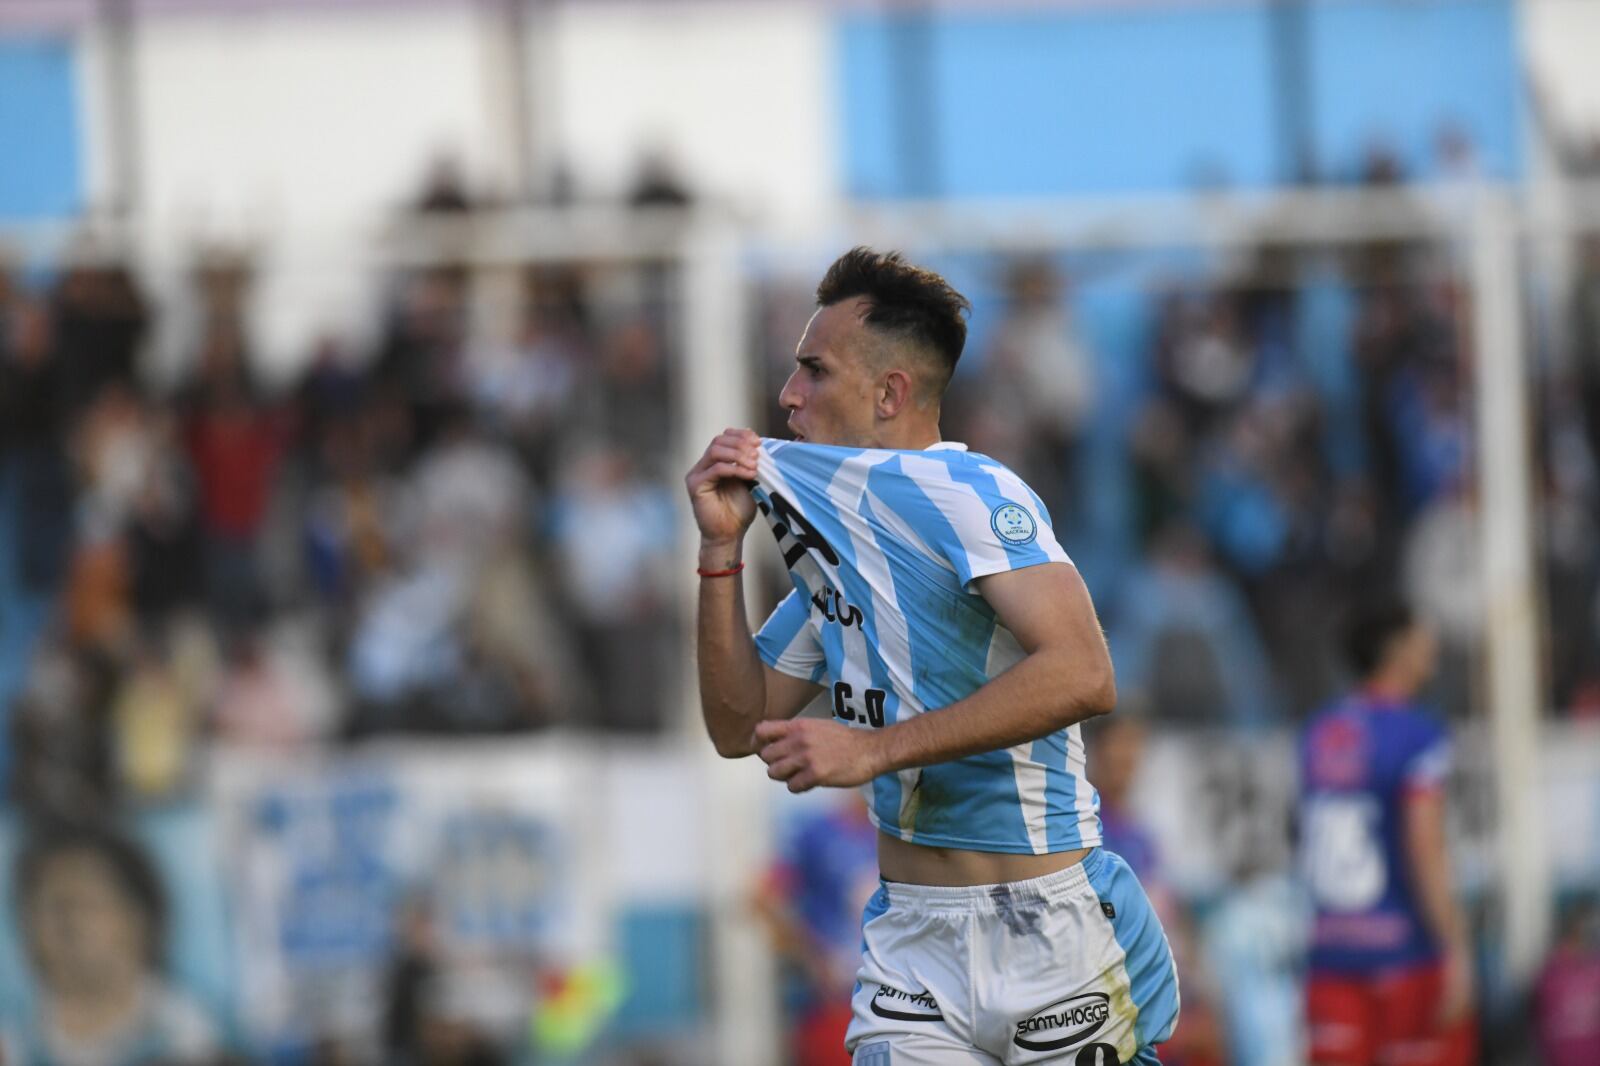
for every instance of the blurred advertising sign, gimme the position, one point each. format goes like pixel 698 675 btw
pixel 477 854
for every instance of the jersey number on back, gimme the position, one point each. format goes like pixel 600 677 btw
pixel 1347 868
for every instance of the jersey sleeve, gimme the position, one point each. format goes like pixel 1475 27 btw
pixel 1430 761
pixel 995 524
pixel 787 641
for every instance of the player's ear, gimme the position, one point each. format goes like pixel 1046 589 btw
pixel 895 390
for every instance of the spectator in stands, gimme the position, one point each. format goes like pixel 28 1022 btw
pixel 1038 386
pixel 1204 359
pixel 1261 499
pixel 444 190
pixel 421 362
pixel 153 720
pixel 100 321
pixel 353 511
pixel 1584 330
pixel 1571 528
pixel 526 393
pixel 235 443
pixel 1567 993
pixel 36 481
pixel 1255 936
pixel 63 762
pixel 274 693
pixel 330 395
pixel 161 535
pixel 1442 576
pixel 630 398
pixel 469 497
pixel 1241 503
pixel 1183 636
pixel 415 959
pixel 658 182
pixel 93 913
pixel 613 531
pixel 1161 452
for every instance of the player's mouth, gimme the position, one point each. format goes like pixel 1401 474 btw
pixel 795 432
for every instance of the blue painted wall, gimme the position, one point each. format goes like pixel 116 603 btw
pixel 40 154
pixel 1396 70
pixel 1042 103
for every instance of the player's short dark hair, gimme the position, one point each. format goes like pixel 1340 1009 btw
pixel 909 302
pixel 1370 626
pixel 135 873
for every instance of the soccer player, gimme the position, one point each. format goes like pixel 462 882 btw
pixel 1390 979
pixel 959 650
pixel 811 902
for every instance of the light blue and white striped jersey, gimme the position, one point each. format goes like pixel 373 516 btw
pixel 883 548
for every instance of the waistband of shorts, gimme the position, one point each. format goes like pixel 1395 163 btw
pixel 974 898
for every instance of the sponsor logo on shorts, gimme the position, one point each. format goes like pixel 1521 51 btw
pixel 905 1006
pixel 1064 1022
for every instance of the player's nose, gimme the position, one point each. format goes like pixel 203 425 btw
pixel 789 397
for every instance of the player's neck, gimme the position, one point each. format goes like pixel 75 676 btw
pixel 912 437
pixel 1389 688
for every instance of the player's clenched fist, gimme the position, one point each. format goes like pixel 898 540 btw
pixel 719 487
pixel 807 752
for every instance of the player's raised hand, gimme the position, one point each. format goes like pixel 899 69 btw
pixel 807 752
pixel 719 489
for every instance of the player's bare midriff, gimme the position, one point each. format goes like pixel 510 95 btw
pixel 919 864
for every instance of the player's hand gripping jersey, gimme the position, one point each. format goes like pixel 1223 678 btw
pixel 883 548
pixel 1359 761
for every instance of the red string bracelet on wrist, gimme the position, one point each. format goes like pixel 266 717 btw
pixel 703 572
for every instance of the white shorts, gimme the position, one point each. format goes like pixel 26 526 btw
pixel 1072 967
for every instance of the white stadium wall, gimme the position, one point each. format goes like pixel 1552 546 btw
pixel 298 129
pixel 1559 38
pixel 741 95
pixel 306 126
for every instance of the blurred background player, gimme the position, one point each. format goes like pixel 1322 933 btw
pixel 1116 758
pixel 811 902
pixel 1390 978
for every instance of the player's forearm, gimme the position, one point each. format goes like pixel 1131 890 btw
pixel 732 688
pixel 1046 691
pixel 1429 861
pixel 1443 917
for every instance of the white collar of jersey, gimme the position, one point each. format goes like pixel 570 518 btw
pixel 946 446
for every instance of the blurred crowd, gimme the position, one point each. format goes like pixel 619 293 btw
pixel 1301 430
pixel 437 535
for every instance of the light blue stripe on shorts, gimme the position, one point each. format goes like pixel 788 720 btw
pixel 1152 978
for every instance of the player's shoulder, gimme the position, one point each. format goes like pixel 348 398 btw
pixel 1332 723
pixel 979 463
pixel 1400 724
pixel 1398 734
pixel 982 481
pixel 1420 726
pixel 1335 747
